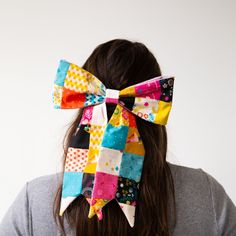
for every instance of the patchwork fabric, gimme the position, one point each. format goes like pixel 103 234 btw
pixel 76 80
pixel 87 115
pixel 105 157
pixel 57 96
pixel 76 159
pixel 109 161
pixel 93 99
pixel 131 166
pixel 72 184
pixel 87 184
pixel 127 191
pixel 81 137
pixel 96 134
pixel 105 186
pixel 115 137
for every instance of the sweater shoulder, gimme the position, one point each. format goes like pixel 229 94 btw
pixel 41 191
pixel 44 182
pixel 191 185
pixel 188 175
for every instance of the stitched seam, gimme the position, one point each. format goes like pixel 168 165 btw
pixel 212 200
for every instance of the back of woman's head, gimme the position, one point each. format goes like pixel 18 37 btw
pixel 120 63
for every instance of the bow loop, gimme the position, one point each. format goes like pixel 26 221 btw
pixel 74 87
pixel 151 100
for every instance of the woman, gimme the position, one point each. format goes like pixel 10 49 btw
pixel 173 200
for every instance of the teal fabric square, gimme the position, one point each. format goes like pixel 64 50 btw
pixel 61 72
pixel 115 137
pixel 131 166
pixel 72 184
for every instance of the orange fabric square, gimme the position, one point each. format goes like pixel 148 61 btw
pixel 71 99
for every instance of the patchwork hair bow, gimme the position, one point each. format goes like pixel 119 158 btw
pixel 105 158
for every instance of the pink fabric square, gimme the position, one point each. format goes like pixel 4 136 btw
pixel 105 186
pixel 153 89
pixel 87 115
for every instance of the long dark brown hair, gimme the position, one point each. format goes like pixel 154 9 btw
pixel 120 63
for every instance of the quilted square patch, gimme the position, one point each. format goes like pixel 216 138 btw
pixel 163 112
pixel 92 99
pixel 96 134
pixel 76 79
pixel 76 159
pixel 99 116
pixel 134 143
pixel 87 115
pixel 115 137
pixel 105 186
pixel 120 117
pixel 127 191
pixel 132 120
pixel 167 89
pixel 57 95
pixel 131 166
pixel 87 185
pixel 109 161
pixel 72 184
pixel 81 137
pixel 92 161
pixel 151 87
pixel 71 99
pixel 61 72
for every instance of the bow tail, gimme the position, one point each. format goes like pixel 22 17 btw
pixel 71 189
pixel 129 212
pixel 96 206
pixel 65 202
pixel 130 171
pixel 119 166
pixel 82 155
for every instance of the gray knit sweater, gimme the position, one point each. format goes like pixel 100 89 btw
pixel 203 206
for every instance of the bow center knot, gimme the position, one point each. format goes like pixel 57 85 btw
pixel 112 96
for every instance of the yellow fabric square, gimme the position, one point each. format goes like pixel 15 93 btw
pixel 162 112
pixel 76 79
pixel 57 94
pixel 96 134
pixel 135 147
pixel 134 143
pixel 92 163
pixel 128 91
pixel 119 117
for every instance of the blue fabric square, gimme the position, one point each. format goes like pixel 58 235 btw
pixel 115 137
pixel 61 72
pixel 131 166
pixel 72 184
pixel 92 99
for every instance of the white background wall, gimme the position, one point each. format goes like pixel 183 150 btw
pixel 193 40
